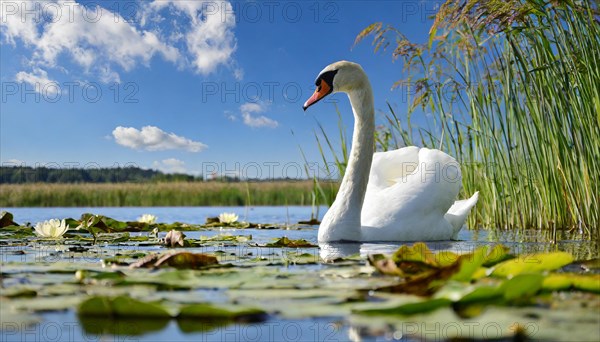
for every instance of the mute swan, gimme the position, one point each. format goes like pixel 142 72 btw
pixel 408 195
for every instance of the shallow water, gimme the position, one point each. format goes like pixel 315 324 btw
pixel 525 241
pixel 65 325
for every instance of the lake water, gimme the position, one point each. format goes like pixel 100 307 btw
pixel 65 326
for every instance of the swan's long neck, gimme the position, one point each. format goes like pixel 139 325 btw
pixel 342 221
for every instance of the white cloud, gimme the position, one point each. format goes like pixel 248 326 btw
pixel 170 165
pixel 209 38
pixel 152 138
pixel 249 108
pixel 14 162
pixel 39 80
pixel 198 34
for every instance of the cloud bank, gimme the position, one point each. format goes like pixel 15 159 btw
pixel 101 42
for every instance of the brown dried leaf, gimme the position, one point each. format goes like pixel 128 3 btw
pixel 174 238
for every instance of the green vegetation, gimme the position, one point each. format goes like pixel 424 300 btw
pixel 514 88
pixel 159 194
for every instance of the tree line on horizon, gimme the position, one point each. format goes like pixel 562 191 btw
pixel 129 174
pixel 28 174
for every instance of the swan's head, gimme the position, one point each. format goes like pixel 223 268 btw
pixel 340 76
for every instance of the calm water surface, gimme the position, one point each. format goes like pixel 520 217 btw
pixel 64 326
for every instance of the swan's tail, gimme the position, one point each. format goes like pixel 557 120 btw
pixel 458 212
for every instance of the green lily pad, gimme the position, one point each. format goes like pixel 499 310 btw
pixel 208 311
pixel 409 308
pixel 469 263
pixel 285 242
pixel 121 306
pixel 532 263
pixel 522 287
pixel 566 281
pixel 498 254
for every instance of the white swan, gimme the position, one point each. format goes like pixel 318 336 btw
pixel 408 195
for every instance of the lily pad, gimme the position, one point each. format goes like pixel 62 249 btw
pixel 121 306
pixel 566 281
pixel 409 308
pixel 6 219
pixel 522 287
pixel 181 260
pixel 208 311
pixel 285 242
pixel 532 263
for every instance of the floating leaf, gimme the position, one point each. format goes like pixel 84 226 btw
pixel 121 306
pixel 208 311
pixel 481 294
pixel 416 253
pixel 181 260
pixel 498 254
pixel 532 263
pixel 566 281
pixel 6 219
pixel 470 263
pixel 424 284
pixel 18 292
pixel 285 242
pixel 122 326
pixel 410 308
pixel 522 287
pixel 227 237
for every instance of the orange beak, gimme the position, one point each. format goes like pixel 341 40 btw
pixel 322 90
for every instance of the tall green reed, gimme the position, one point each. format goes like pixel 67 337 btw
pixel 514 87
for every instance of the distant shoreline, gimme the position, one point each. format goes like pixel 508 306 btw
pixel 156 194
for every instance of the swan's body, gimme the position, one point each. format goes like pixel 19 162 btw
pixel 402 195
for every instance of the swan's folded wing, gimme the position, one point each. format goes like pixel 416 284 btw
pixel 391 166
pixel 419 198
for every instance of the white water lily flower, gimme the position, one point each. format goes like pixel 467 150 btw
pixel 228 217
pixel 147 218
pixel 53 228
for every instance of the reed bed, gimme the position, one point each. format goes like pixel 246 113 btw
pixel 513 92
pixel 157 194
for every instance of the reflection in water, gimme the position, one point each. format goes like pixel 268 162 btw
pixel 332 251
pixel 519 242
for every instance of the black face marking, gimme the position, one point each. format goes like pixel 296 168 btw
pixel 327 77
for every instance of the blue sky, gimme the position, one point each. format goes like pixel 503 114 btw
pixel 184 86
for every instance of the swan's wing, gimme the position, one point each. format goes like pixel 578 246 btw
pixel 419 198
pixel 388 167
